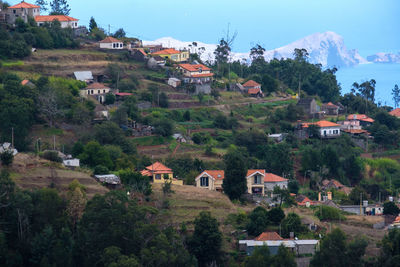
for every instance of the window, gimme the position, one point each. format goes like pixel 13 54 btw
pixel 204 181
pixel 88 92
pixel 257 179
pixel 104 91
pixel 91 92
pixel 158 176
pixel 98 91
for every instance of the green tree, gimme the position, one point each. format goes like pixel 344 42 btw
pixel 284 258
pixel 276 215
pixel 186 115
pixel 94 154
pixel 120 33
pixel 390 208
pixel 390 249
pixel 258 221
pixel 6 157
pixel 42 4
pixel 292 223
pixel 59 7
pixel 92 24
pixel 234 184
pixel 260 258
pixel 206 240
pixel 110 99
pixel 163 127
pixel 396 95
pixel 163 100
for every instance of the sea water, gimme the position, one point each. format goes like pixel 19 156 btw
pixel 385 75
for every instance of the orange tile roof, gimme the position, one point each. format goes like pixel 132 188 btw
pixel 320 124
pixel 355 131
pixel 270 178
pixel 158 167
pixel 110 39
pixel 97 86
pixel 266 236
pixel 216 174
pixel 251 83
pixel 53 18
pixel 24 82
pixel 304 201
pixel 168 51
pixel 194 67
pixel 360 117
pixel 254 91
pixel 251 172
pixel 395 112
pixel 23 5
pixel 330 104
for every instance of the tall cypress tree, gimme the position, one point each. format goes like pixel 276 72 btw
pixel 234 184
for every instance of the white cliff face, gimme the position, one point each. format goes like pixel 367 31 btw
pixel 326 48
pixel 384 58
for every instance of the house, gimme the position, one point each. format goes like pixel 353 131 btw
pixel 195 73
pixel 159 60
pixel 330 109
pixel 139 55
pixel 111 43
pixel 364 209
pixel 122 96
pixel 179 138
pixel 277 137
pixel 326 129
pixel 253 88
pixel 98 90
pixel 153 48
pixel 272 180
pixel 304 201
pixel 160 174
pixel 22 10
pixel 363 119
pixel 172 54
pixel 255 182
pixel 298 247
pixel 84 76
pixel 238 87
pixel 211 180
pixel 266 236
pixel 65 21
pixel 28 83
pixel 329 184
pixel 110 179
pixel 395 112
pixel 174 82
pixel 309 106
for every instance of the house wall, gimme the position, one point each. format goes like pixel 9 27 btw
pixel 64 24
pixel 305 249
pixel 111 45
pixel 162 180
pixel 210 182
pixel 100 91
pixel 269 186
pixel 251 185
pixel 329 131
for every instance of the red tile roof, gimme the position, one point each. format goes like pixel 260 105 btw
pixel 194 67
pixel 360 117
pixel 202 75
pixel 270 178
pixel 216 174
pixel 24 82
pixel 123 94
pixel 254 91
pixel 304 201
pixel 320 124
pixel 330 104
pixel 53 18
pixel 157 168
pixel 251 172
pixel 395 112
pixel 168 51
pixel 23 5
pixel 266 236
pixel 97 86
pixel 110 39
pixel 251 83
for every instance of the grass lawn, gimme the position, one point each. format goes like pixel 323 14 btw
pixel 12 63
pixel 151 140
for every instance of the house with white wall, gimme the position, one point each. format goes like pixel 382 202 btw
pixel 65 21
pixel 111 43
pixel 98 90
pixel 326 129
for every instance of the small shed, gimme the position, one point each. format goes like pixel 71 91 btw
pixel 72 163
pixel 174 82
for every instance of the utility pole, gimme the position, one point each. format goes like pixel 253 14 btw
pixel 360 203
pixel 12 137
pixel 109 29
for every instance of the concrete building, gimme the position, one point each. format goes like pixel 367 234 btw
pixel 211 180
pixel 98 90
pixel 111 43
pixel 22 10
pixel 326 129
pixel 298 247
pixel 309 106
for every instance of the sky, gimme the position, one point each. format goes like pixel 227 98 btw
pixel 367 25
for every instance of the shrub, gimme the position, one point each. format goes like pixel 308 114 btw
pixel 329 213
pixel 100 169
pixel 6 158
pixel 52 156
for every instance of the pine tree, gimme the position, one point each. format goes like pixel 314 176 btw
pixel 60 7
pixel 92 24
pixel 42 4
pixel 234 184
pixel 396 95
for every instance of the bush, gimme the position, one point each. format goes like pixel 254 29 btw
pixel 52 156
pixel 100 169
pixel 389 208
pixel 329 213
pixel 6 158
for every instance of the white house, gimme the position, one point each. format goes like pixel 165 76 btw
pixel 271 180
pixel 98 90
pixel 65 21
pixel 111 43
pixel 327 129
